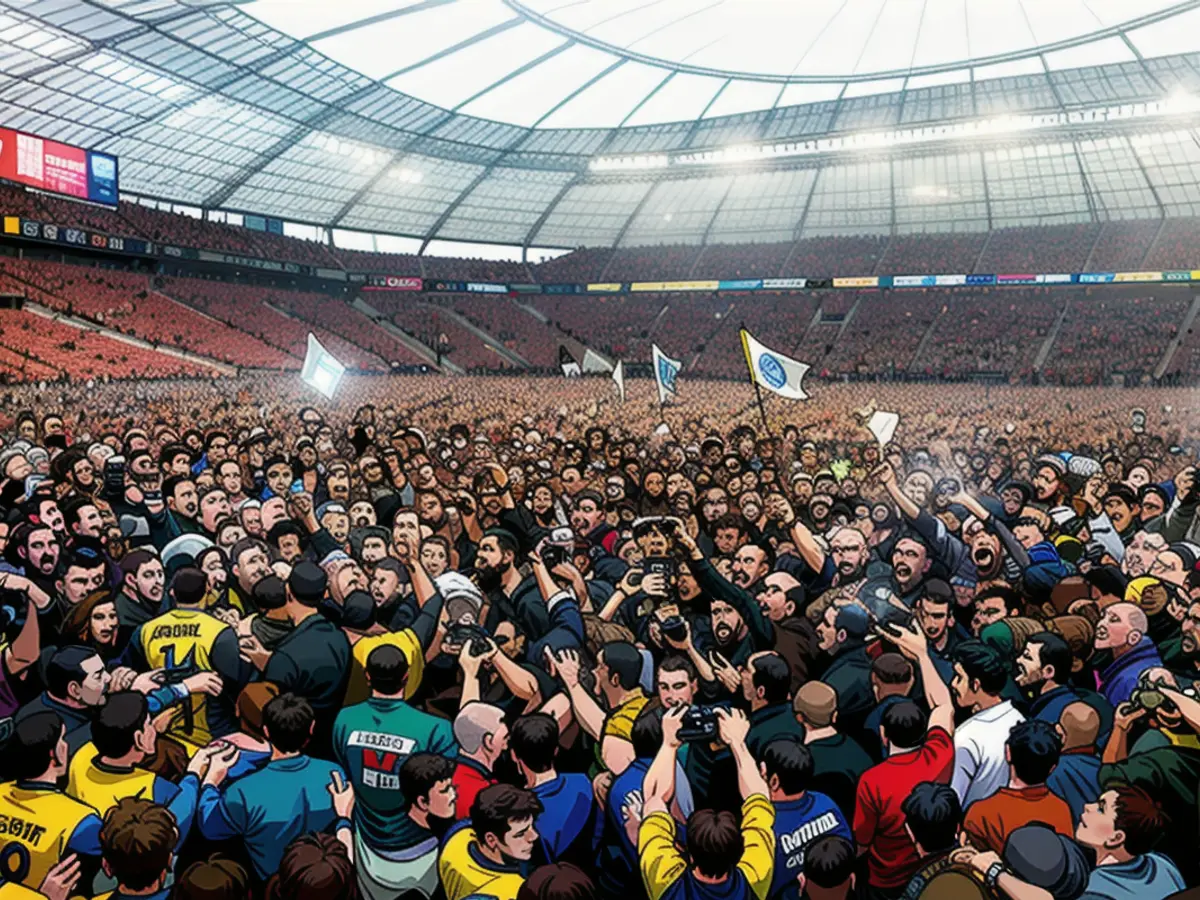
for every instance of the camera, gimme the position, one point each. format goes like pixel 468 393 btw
pixel 674 627
pixel 114 476
pixel 660 565
pixel 699 724
pixel 554 555
pixel 460 633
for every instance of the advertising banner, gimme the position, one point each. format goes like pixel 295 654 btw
pixel 776 284
pixel 393 283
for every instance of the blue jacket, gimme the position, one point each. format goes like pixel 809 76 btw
pixel 1120 677
pixel 1076 780
pixel 271 807
pixel 567 804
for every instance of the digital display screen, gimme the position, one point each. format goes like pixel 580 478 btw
pixel 58 168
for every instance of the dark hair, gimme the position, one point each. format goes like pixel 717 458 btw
pixel 314 867
pixel 730 520
pixel 120 719
pixel 269 593
pixel 771 673
pixel 714 841
pixel 905 723
pixel 557 881
pixel 421 772
pixel 829 861
pixel 767 550
pixel 246 543
pixel 216 878
pixel 387 669
pixel 791 761
pixel 646 734
pixel 1012 600
pixel 505 540
pixel 289 719
pixel 892 668
pixel 932 812
pixel 1122 492
pixel 495 805
pixel 677 663
pixel 983 663
pixel 72 508
pixel 1141 817
pixel 170 451
pixel 1054 652
pixel 30 750
pixel 188 586
pixel 1029 521
pixel 534 741
pixel 132 561
pixel 66 668
pixel 1034 748
pixel 623 660
pixel 83 558
pixel 171 483
pixel 285 527
pixel 138 839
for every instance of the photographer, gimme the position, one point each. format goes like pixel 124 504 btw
pixel 725 859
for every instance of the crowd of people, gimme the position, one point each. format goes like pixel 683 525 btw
pixel 513 638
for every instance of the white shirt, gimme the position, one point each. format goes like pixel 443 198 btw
pixel 979 765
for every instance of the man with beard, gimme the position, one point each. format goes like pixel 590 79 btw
pixel 739 627
pixel 589 520
pixel 841 634
pixel 751 564
pixel 140 598
pixel 510 597
pixel 844 564
pixel 1187 665
pixel 33 551
pixel 1043 673
pixel 251 564
pixel 395 607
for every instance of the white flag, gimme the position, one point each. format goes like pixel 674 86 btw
pixel 666 370
pixel 321 370
pixel 594 362
pixel 774 371
pixel 883 426
pixel 618 376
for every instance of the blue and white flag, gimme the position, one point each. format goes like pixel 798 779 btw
pixel 666 370
pixel 774 371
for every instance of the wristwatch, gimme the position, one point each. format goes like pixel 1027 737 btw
pixel 995 870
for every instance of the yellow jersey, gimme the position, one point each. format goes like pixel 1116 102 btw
pixel 102 787
pixel 462 875
pixel 183 639
pixel 357 689
pixel 36 824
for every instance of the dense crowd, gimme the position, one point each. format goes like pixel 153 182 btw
pixel 511 638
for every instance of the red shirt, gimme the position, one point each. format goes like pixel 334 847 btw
pixel 469 778
pixel 878 822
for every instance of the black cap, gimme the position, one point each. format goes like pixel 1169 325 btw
pixel 308 582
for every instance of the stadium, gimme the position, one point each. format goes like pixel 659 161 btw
pixel 595 449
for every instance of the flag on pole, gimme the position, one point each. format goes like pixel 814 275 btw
pixel 567 362
pixel 883 426
pixel 618 375
pixel 774 371
pixel 321 371
pixel 666 370
pixel 594 362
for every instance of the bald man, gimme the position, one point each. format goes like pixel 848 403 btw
pixel 1076 778
pixel 482 736
pixel 1122 630
pixel 782 600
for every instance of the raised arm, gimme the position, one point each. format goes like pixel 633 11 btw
pixel 886 475
pixel 658 787
pixel 912 643
pixel 587 711
pixel 806 544
pixel 734 726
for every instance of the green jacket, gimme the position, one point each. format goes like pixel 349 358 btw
pixel 371 741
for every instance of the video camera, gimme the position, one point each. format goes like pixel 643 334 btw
pixel 460 633
pixel 699 724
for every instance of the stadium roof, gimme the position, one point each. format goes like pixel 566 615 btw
pixel 567 122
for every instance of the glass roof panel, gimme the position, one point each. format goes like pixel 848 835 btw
pixel 526 97
pixel 384 48
pixel 607 102
pixel 456 77
pixel 681 99
pixel 446 52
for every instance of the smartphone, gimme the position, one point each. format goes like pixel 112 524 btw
pixel 114 475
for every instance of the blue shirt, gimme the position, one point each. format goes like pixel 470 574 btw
pixel 271 807
pixel 797 824
pixel 1121 676
pixel 567 803
pixel 1076 779
pixel 1148 877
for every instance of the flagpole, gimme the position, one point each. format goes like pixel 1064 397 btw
pixel 762 410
